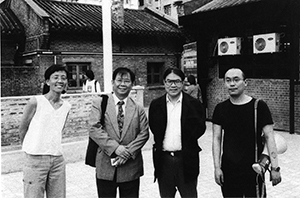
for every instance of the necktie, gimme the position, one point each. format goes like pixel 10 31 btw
pixel 120 116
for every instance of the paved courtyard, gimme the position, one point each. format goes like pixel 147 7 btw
pixel 81 178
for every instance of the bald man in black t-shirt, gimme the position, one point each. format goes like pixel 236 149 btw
pixel 233 120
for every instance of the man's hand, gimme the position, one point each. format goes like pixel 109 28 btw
pixel 275 177
pixel 219 177
pixel 123 152
pixel 120 161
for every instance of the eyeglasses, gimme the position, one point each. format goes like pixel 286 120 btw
pixel 170 82
pixel 120 81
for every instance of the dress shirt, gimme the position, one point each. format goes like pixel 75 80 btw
pixel 172 140
pixel 116 100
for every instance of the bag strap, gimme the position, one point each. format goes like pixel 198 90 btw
pixel 256 152
pixel 255 128
pixel 95 86
pixel 103 108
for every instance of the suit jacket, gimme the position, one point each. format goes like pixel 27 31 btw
pixel 135 134
pixel 192 128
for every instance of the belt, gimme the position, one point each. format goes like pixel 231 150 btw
pixel 173 153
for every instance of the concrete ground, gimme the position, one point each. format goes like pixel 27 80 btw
pixel 81 178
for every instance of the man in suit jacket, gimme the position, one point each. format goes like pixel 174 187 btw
pixel 177 122
pixel 119 162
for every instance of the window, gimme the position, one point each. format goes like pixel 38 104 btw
pixel 167 9
pixel 180 10
pixel 154 73
pixel 76 73
pixel 141 2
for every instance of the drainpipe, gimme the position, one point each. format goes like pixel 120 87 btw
pixel 294 57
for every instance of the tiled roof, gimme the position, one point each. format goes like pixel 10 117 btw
pixel 86 17
pixel 219 4
pixel 9 23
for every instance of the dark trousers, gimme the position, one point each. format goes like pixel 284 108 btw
pixel 172 178
pixel 108 189
pixel 242 185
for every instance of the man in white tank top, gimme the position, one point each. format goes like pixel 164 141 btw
pixel 41 129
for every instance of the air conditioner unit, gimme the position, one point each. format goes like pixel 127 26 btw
pixel 266 43
pixel 229 46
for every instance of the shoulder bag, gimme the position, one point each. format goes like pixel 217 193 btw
pixel 92 148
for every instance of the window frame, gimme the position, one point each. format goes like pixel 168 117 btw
pixel 167 9
pixel 79 72
pixel 151 66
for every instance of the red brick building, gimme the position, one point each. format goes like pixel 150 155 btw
pixel 12 46
pixel 272 70
pixel 71 34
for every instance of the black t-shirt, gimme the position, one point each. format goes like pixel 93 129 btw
pixel 237 121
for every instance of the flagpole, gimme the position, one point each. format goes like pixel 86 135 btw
pixel 107 45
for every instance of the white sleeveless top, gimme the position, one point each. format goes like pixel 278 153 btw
pixel 44 133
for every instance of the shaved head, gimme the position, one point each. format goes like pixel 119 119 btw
pixel 238 70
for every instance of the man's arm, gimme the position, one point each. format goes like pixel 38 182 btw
pixel 101 137
pixel 216 149
pixel 272 150
pixel 84 87
pixel 28 114
pixel 201 122
pixel 67 117
pixel 150 116
pixel 143 135
pixel 98 88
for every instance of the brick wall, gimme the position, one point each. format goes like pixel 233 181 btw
pixel 12 110
pixel 7 55
pixel 76 42
pixel 19 80
pixel 152 93
pixel 36 28
pixel 133 51
pixel 27 80
pixel 274 92
pixel 138 64
pixel 77 123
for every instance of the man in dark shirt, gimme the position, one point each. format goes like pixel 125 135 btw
pixel 234 119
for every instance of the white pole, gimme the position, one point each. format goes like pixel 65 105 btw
pixel 107 45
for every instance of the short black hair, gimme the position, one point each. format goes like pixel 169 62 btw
pixel 54 68
pixel 174 70
pixel 90 74
pixel 122 71
pixel 191 79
